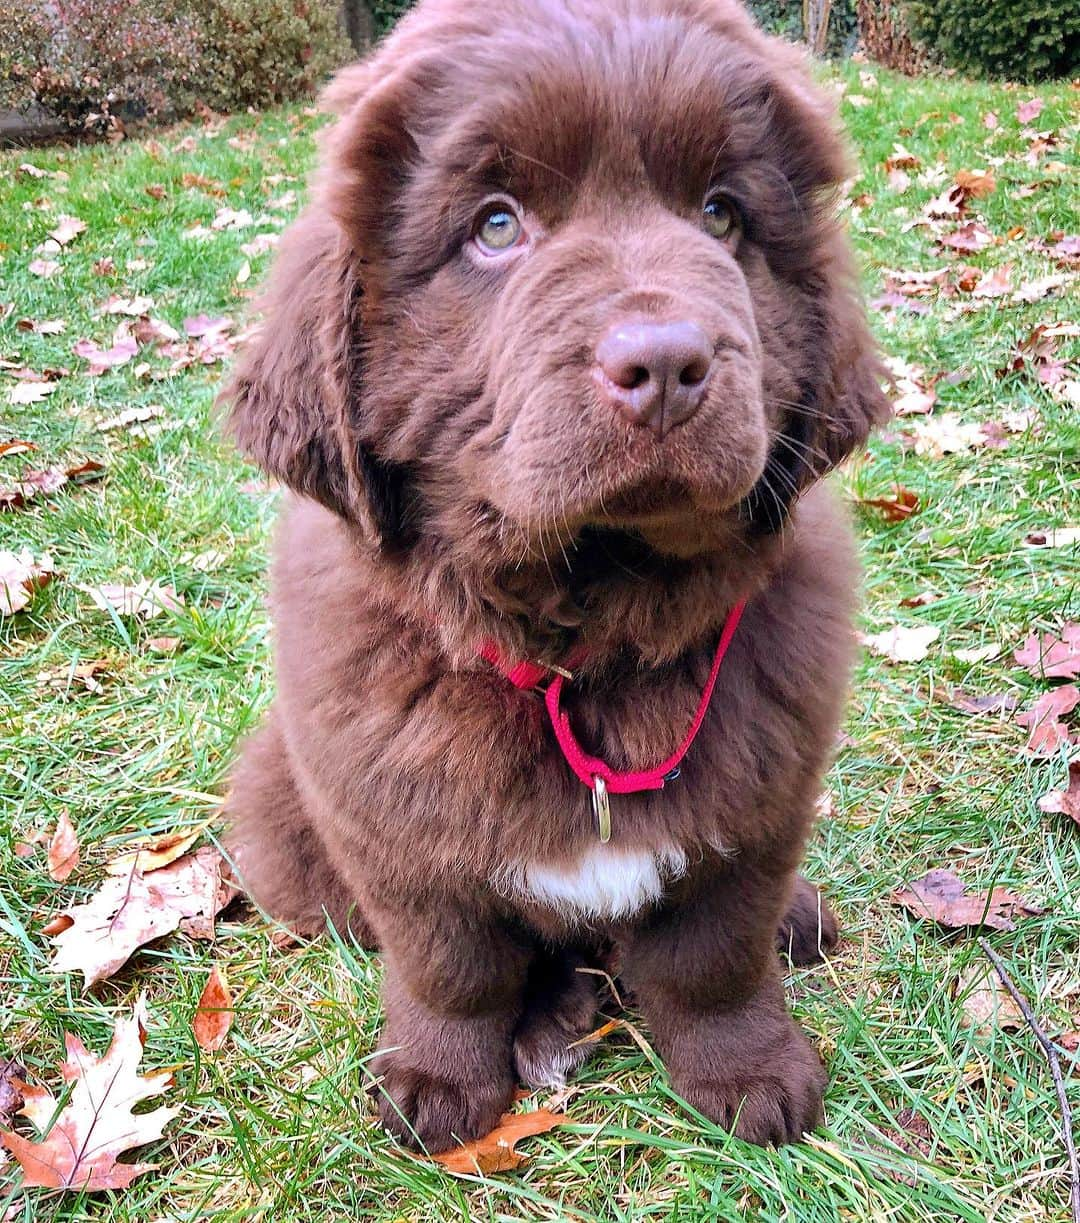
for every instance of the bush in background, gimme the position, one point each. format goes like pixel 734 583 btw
pixel 885 35
pixel 93 63
pixel 1019 39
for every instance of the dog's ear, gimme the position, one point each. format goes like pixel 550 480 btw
pixel 296 395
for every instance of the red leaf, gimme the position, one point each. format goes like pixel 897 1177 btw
pixel 940 896
pixel 1050 657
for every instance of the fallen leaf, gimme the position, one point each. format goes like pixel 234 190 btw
pixel 1047 732
pixel 979 653
pixel 260 244
pixel 30 392
pixel 968 238
pixel 43 267
pixel 124 347
pixel 62 678
pixel 901 643
pixel 42 483
pixel 214 1014
pixel 156 191
pixel 145 598
pixel 155 853
pixel 1067 801
pixel 1035 290
pixel 1027 111
pixel 901 159
pixel 12 1074
pixel 164 645
pixel 232 218
pixel 97 1123
pixel 63 849
pixel 129 417
pixel 67 229
pixel 42 326
pixel 15 447
pixel 133 307
pixel 496 1152
pixel 1050 657
pixel 1054 537
pixel 996 283
pixel 946 434
pixel 20 577
pixel 995 702
pixel 897 508
pixel 940 896
pixel 127 911
pixel 975 183
pixel 985 1002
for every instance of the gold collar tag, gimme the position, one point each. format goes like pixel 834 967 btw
pixel 601 809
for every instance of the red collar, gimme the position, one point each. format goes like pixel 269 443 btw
pixel 595 773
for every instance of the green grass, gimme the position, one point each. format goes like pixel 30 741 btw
pixel 276 1127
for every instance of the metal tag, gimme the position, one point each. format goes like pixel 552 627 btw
pixel 601 809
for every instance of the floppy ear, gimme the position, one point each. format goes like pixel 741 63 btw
pixel 296 397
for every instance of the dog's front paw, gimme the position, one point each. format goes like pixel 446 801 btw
pixel 435 1112
pixel 768 1099
pixel 809 930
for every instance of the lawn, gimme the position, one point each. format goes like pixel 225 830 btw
pixel 929 1116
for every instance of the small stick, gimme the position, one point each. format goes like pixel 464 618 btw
pixel 1055 1070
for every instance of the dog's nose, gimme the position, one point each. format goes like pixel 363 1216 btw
pixel 655 374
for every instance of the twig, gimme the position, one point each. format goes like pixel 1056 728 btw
pixel 1055 1070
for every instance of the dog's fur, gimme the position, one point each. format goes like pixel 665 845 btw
pixel 458 477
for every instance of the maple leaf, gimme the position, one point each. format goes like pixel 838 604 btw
pixel 1047 732
pixel 1067 801
pixel 214 1014
pixel 83 1139
pixel 1050 657
pixel 97 937
pixel 901 643
pixel 975 183
pixel 63 849
pixel 940 896
pixel 20 577
pixel 897 508
pixel 496 1152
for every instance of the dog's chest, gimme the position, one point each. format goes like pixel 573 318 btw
pixel 605 882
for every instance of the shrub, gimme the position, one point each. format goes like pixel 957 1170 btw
pixel 91 63
pixel 256 52
pixel 885 34
pixel 86 61
pixel 1021 39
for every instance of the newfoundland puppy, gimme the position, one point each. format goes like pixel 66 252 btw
pixel 552 365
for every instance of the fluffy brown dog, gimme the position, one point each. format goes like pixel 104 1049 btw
pixel 552 362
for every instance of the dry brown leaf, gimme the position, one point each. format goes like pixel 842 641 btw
pixel 1048 657
pixel 63 849
pixel 995 702
pixel 496 1152
pixel 97 1123
pixel 946 434
pixel 15 446
pixel 901 643
pixel 20 577
pixel 897 508
pixel 940 896
pixel 156 853
pixel 127 911
pixel 12 1074
pixel 26 391
pixel 62 679
pixel 164 645
pixel 976 183
pixel 1047 732
pixel 985 1002
pixel 214 1014
pixel 1067 801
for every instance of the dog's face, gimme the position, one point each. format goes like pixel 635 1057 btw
pixel 573 268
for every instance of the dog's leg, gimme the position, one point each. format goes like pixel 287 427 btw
pixel 282 863
pixel 560 1008
pixel 705 973
pixel 808 931
pixel 452 995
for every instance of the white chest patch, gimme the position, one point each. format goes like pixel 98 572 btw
pixel 605 882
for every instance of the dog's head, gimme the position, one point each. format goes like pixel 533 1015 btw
pixel 569 265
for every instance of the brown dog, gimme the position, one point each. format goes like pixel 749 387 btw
pixel 552 363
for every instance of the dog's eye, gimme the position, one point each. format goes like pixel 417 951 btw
pixel 720 217
pixel 498 228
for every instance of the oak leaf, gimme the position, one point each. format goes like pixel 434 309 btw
pixel 1067 801
pixel 83 1139
pixel 940 896
pixel 127 911
pixel 496 1152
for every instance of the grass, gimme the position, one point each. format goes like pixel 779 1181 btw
pixel 276 1126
